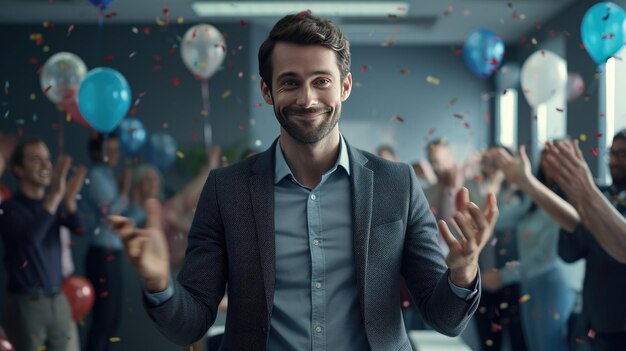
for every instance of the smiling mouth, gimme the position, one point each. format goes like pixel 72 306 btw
pixel 44 173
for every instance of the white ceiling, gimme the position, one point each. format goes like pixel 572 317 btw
pixel 428 22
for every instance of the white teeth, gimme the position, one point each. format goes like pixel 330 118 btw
pixel 44 173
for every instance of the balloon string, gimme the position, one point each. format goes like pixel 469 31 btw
pixel 208 134
pixel 61 139
pixel 99 35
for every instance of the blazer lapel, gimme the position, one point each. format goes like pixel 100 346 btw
pixel 261 187
pixel 362 183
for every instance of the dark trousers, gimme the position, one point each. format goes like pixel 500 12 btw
pixel 492 319
pixel 104 270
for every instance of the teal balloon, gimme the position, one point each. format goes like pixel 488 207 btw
pixel 162 151
pixel 132 136
pixel 104 98
pixel 603 31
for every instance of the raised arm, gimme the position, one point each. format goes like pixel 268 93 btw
pixel 517 170
pixel 572 174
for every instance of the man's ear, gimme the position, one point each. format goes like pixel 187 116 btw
pixel 17 171
pixel 266 92
pixel 346 87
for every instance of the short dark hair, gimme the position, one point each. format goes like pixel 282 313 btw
pixel 437 142
pixel 304 29
pixel 17 158
pixel 96 144
pixel 621 135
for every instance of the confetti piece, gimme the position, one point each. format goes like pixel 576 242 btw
pixel 534 41
pixel 398 118
pixel 132 54
pixel 258 104
pixel 45 91
pixel 452 102
pixel 504 305
pixel 6 88
pixel 70 29
pixel 364 68
pixel 457 52
pixel 135 30
pixel 6 114
pixel 466 125
pixel 456 115
pixel 489 342
pixel 598 135
pixel 557 316
pixel 524 298
pixel 240 75
pixel 594 151
pixel 243 23
pixel 432 80
pixel 175 81
pixel 582 137
pixel 193 136
pixel 591 334
pixel 180 20
pixel 225 94
pixel 104 294
pixel 114 339
pixel 33 96
pixel 495 327
pixel 405 72
pixel 448 11
pixel 180 154
pixel 431 131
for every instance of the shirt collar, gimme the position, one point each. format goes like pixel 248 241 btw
pixel 281 169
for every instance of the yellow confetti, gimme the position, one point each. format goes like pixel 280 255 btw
pixel 504 305
pixel 432 80
pixel 33 96
pixel 114 339
pixel 180 20
pixel 46 48
pixel 582 137
pixel 45 24
pixel 68 117
pixel 524 298
pixel 160 22
pixel 252 121
pixel 180 154
pixel 225 94
pixel 489 342
pixel 35 36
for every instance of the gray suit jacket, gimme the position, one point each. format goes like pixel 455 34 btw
pixel 232 241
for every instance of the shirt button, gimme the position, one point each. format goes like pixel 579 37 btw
pixel 316 242
pixel 313 197
pixel 318 329
pixel 318 285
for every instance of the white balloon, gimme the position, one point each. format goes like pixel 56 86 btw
pixel 203 50
pixel 61 76
pixel 543 74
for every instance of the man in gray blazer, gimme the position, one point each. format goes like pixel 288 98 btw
pixel 312 235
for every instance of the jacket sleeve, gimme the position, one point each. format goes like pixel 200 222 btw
pixel 425 271
pixel 187 315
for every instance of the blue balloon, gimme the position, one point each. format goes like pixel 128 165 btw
pixel 602 31
pixel 483 51
pixel 102 4
pixel 162 151
pixel 104 98
pixel 132 136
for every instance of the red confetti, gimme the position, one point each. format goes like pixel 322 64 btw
pixel 175 81
pixel 70 29
pixel 258 104
pixel 243 23
pixel 241 127
pixel 45 91
pixel 146 30
pixel 398 118
pixel 110 15
pixel 594 151
pixel 193 136
pixel 543 53
pixel 598 135
pixel 495 327
pixel 166 11
pixel 458 52
pixel 33 61
pixel 494 62
pixel 404 72
pixel 467 125
pixel 108 58
pixel 104 294
pixel 157 58
pixel 364 68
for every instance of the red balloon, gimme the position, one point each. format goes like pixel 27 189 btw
pixel 80 294
pixel 69 104
pixel 5 345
